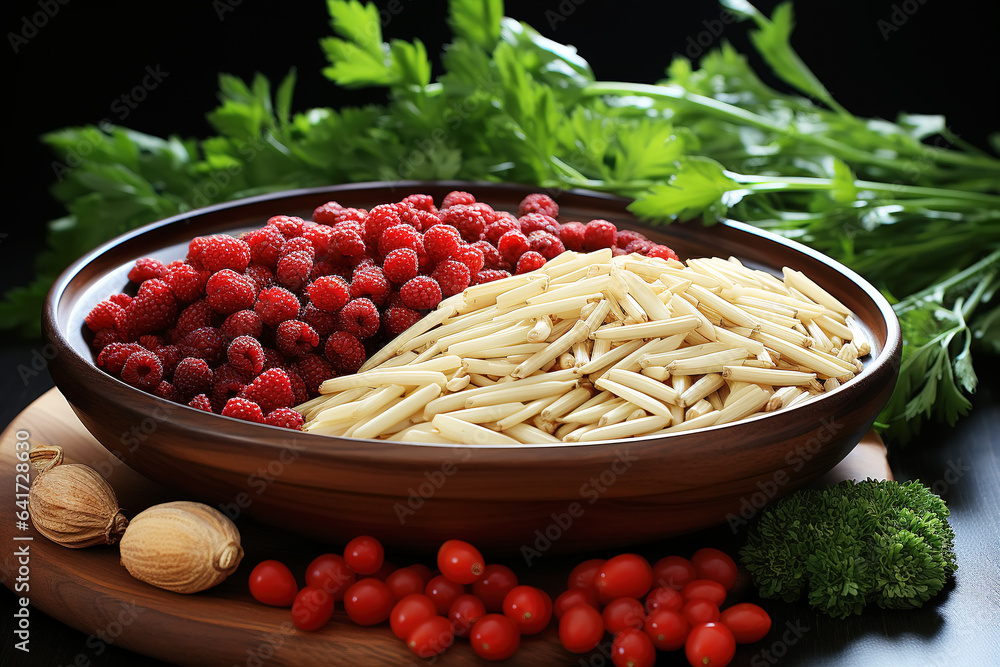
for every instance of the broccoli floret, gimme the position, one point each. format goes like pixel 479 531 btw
pixel 851 545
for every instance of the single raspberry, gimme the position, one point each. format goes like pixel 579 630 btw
pixel 187 282
pixel 512 245
pixel 599 234
pixel 194 316
pixel 167 391
pixel 261 276
pixel 222 251
pixel 205 343
pixel 399 236
pixel 321 239
pixel 617 252
pixel 424 263
pixel 345 352
pixel 498 228
pixel 488 212
pixel 122 300
pixel 398 319
pixel 545 244
pixel 242 323
pixel 420 220
pixel 273 359
pixel 289 225
pixel 637 246
pixel 457 197
pixel 663 252
pixel 370 282
pixel 326 214
pixel 401 265
pixel 168 355
pixel 381 218
pixel 241 408
pixel 114 355
pixel 246 354
pixel 491 256
pixel 285 418
pixel 143 370
pixel 195 247
pixel 152 309
pixel 393 300
pixel 421 293
pixel 626 236
pixel 534 222
pixel 314 371
pixel 323 322
pixel 103 338
pixel 294 269
pixel 150 341
pixel 440 241
pixel 471 256
pixel 294 338
pixel 201 402
pixel 420 202
pixel 530 261
pixel 360 317
pixel 228 382
pixel 192 376
pixel 321 267
pixel 572 234
pixel 453 276
pixel 469 221
pixel 275 305
pixel 146 268
pixel 489 275
pixel 228 291
pixel 348 242
pixel 270 390
pixel 329 293
pixel 298 244
pixel 105 315
pixel 299 391
pixel 352 215
pixel 265 245
pixel 538 203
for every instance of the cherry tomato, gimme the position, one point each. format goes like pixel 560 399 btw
pixel 271 582
pixel 632 648
pixel 464 612
pixel 748 622
pixel 667 628
pixel 312 608
pixel 493 586
pixel 573 597
pixel 715 565
pixel 529 608
pixel 494 637
pixel 409 612
pixel 623 613
pixel 582 576
pixel 581 629
pixel 424 571
pixel 443 592
pixel 623 576
pixel 364 554
pixel 405 581
pixel 705 588
pixel 368 601
pixel 710 645
pixel 700 610
pixel 431 637
pixel 674 571
pixel 460 561
pixel 330 572
pixel 664 598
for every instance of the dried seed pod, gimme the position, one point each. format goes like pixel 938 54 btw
pixel 181 546
pixel 70 503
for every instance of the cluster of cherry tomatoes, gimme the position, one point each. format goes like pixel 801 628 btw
pixel 673 604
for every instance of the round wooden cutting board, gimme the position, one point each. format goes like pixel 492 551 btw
pixel 89 590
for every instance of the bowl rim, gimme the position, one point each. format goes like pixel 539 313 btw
pixel 51 329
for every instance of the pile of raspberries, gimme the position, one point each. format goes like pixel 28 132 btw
pixel 249 327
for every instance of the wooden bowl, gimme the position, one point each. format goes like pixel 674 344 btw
pixel 527 499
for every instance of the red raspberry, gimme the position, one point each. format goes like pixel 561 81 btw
pixel 229 382
pixel 273 359
pixel 150 342
pixel 299 391
pixel 265 245
pixel 321 239
pixel 261 276
pixel 314 371
pixel 370 282
pixel 194 316
pixel 241 408
pixel 228 291
pixel 275 305
pixel 489 275
pixel 421 293
pixel 192 376
pixel 530 261
pixel 640 246
pixel 512 245
pixel 599 234
pixel 242 323
pixel 285 418
pixel 327 213
pixel 323 322
pixel 294 338
pixel 204 343
pixel 420 202
pixel 329 293
pixel 187 282
pixel 222 251
pixel 498 228
pixel 421 220
pixel 105 315
pixel 538 203
pixel 103 338
pixel 398 319
pixel 399 236
pixel 152 309
pixel 347 242
pixel 471 256
pixel 453 276
pixel 545 244
pixel 146 268
pixel 289 225
pixel 381 218
pixel 424 263
pixel 487 211
pixel 201 402
pixel 534 222
pixel 345 351
pixel 440 241
pixel 122 300
pixel 457 197
pixel 572 234
pixel 469 221
pixel 663 252
pixel 626 236
pixel 143 370
pixel 294 269
pixel 360 317
pixel 270 390
pixel 401 265
pixel 491 256
pixel 297 244
pixel 352 215
pixel 114 355
pixel 167 391
pixel 322 267
pixel 168 355
pixel 246 354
